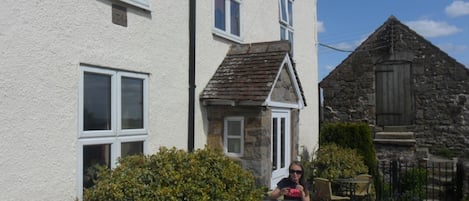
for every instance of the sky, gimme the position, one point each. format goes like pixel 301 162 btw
pixel 345 24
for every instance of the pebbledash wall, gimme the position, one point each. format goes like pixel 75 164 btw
pixel 440 87
pixel 261 24
pixel 45 44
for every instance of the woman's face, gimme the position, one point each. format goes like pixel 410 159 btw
pixel 295 173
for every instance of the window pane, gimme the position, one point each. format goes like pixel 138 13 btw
pixel 274 143
pixel 235 21
pixel 283 10
pixel 290 37
pixel 282 143
pixel 234 128
pixel 97 102
pixel 132 103
pixel 283 35
pixel 94 156
pixel 131 148
pixel 290 13
pixel 234 145
pixel 220 14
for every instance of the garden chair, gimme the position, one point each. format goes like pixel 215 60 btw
pixel 363 188
pixel 323 190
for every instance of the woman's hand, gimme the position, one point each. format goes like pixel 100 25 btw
pixel 303 194
pixel 284 191
pixel 299 187
pixel 277 192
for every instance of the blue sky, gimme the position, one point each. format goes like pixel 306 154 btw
pixel 344 24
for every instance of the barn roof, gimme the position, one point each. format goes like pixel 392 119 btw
pixel 391 37
pixel 248 74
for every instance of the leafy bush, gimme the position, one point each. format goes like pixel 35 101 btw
pixel 173 174
pixel 355 136
pixel 413 183
pixel 352 135
pixel 334 162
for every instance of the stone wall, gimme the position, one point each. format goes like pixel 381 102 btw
pixel 440 88
pixel 284 90
pixel 257 137
pixel 256 156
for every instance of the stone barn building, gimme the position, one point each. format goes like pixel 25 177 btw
pixel 414 95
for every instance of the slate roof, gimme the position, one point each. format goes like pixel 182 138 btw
pixel 248 72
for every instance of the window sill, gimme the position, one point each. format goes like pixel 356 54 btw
pixel 234 155
pixel 227 36
pixel 138 4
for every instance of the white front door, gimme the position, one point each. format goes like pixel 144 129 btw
pixel 280 145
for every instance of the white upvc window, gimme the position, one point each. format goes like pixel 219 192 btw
pixel 112 121
pixel 227 20
pixel 233 136
pixel 144 4
pixel 286 20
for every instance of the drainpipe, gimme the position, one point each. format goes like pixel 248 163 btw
pixel 190 124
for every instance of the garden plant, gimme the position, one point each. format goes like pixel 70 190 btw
pixel 173 174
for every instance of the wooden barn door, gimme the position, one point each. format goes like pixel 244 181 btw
pixel 394 96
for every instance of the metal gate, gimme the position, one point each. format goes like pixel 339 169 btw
pixel 409 181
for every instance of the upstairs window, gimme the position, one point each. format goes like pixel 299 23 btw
pixel 286 20
pixel 227 22
pixel 234 136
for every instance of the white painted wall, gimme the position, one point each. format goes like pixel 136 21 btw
pixel 260 22
pixel 43 44
pixel 306 59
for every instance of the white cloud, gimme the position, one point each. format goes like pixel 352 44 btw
pixel 345 46
pixel 457 8
pixel 321 27
pixel 329 67
pixel 450 47
pixel 430 28
pixel 362 39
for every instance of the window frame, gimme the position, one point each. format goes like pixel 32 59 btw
pixel 98 133
pixel 288 32
pixel 125 132
pixel 116 135
pixel 226 137
pixel 143 4
pixel 227 32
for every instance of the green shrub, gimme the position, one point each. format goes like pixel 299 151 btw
pixel 352 135
pixel 355 136
pixel 334 162
pixel 173 174
pixel 413 184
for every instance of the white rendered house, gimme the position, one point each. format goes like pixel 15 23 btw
pixel 85 82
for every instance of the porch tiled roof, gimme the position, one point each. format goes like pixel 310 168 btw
pixel 247 73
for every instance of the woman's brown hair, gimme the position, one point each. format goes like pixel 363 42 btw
pixel 302 178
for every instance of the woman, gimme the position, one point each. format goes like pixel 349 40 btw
pixel 294 187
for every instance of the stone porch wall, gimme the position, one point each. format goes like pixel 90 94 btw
pixel 257 137
pixel 256 156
